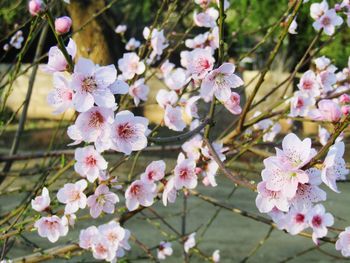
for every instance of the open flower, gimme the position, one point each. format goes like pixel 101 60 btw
pixel 232 103
pixel 128 132
pixel 173 118
pixel 198 62
pixel 130 65
pixel 113 233
pixel 207 18
pixel 102 201
pixel 343 242
pixel 164 250
pixel 190 242
pixel 328 21
pixel 165 98
pixel 185 174
pixel 91 84
pixel 267 199
pixel 319 220
pixel 72 195
pixel 87 236
pixel 176 79
pixel 139 91
pixel 301 104
pixel 155 171
pixel 41 202
pixel 57 61
pixel 334 166
pixel 308 83
pixel 93 126
pixel 140 193
pixel 61 97
pixel 51 227
pixel 219 83
pixel 89 163
pixel 169 192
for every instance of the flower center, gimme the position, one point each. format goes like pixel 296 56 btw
pixel 125 131
pixel 299 218
pixel 135 189
pixel 326 21
pixel 317 221
pixel 89 84
pixel 96 119
pixel 90 161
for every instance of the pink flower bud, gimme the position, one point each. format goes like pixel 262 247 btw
pixel 345 98
pixel 198 170
pixel 63 24
pixel 346 110
pixel 35 7
pixel 337 7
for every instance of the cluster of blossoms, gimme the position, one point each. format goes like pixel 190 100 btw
pixel 322 95
pixel 91 90
pixel 290 191
pixel 107 242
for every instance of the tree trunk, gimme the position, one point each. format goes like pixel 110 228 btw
pixel 91 41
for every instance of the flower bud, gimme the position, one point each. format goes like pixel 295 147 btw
pixel 63 24
pixel 346 110
pixel 345 98
pixel 35 7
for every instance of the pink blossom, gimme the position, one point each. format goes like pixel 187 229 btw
pixel 169 192
pixel 319 220
pixel 57 61
pixel 326 79
pixel 91 84
pixel 87 236
pixel 139 91
pixel 130 65
pixel 129 132
pixel 165 98
pixel 132 44
pixel 344 98
pixel 233 103
pixel 296 220
pixel 89 163
pixel 190 242
pixel 318 9
pixel 158 40
pixel 51 227
pixel 72 195
pixel 166 68
pixel 198 41
pixel 219 83
pixel 216 256
pixel 35 7
pixel 124 244
pixel 61 97
pixel 193 147
pixel 101 249
pixel 191 108
pixel 343 242
pixel 164 250
pixel 102 200
pixel 140 193
pixel 267 199
pixel 198 62
pixel 296 152
pixel 328 21
pixel 308 83
pixel 279 177
pixel 155 171
pixel 93 126
pixel 209 172
pixel 334 166
pixel 41 202
pixel 63 24
pixel 113 233
pixel 328 110
pixel 309 193
pixel 173 118
pixel 300 104
pixel 324 63
pixel 345 110
pixel 207 18
pixel 120 29
pixel 176 79
pixel 185 174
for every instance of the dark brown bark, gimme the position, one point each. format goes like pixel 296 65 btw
pixel 92 40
